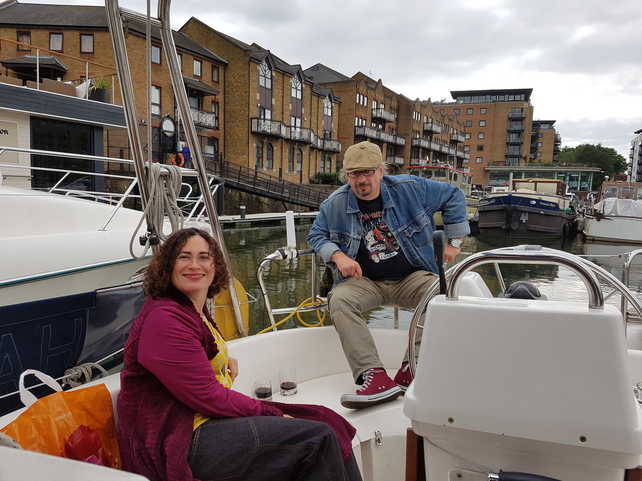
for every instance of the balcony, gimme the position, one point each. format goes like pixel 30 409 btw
pixel 514 140
pixel 444 148
pixel 367 132
pixel 452 151
pixel 419 142
pixel 435 146
pixel 386 137
pixel 467 156
pixel 317 143
pixel 331 145
pixel 418 162
pixel 515 127
pixel 269 127
pixel 457 138
pixel 381 113
pixel 396 160
pixel 516 115
pixel 558 139
pixel 461 154
pixel 398 140
pixel 432 127
pixel 301 134
pixel 204 119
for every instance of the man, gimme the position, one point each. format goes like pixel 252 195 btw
pixel 377 232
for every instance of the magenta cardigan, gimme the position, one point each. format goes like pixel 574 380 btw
pixel 167 378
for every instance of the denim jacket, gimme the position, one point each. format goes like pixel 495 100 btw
pixel 409 203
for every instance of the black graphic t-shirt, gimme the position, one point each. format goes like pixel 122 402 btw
pixel 380 256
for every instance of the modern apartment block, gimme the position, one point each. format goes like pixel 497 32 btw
pixel 635 157
pixel 277 119
pixel 432 137
pixel 498 125
pixel 72 43
pixel 545 142
pixel 369 111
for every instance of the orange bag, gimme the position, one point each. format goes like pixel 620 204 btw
pixel 47 423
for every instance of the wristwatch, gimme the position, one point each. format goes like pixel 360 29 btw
pixel 456 243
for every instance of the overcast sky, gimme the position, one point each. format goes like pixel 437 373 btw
pixel 583 58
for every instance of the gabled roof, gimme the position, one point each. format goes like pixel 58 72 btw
pixel 28 15
pixel 320 74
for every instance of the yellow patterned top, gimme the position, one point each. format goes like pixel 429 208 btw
pixel 219 364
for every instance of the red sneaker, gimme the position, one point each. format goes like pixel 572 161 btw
pixel 403 378
pixel 377 388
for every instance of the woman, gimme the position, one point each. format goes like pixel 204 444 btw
pixel 179 420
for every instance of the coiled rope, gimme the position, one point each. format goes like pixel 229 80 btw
pixel 162 202
pixel 309 302
pixel 82 373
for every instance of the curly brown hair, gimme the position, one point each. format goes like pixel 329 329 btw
pixel 158 277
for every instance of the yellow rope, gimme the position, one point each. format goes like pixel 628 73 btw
pixel 307 303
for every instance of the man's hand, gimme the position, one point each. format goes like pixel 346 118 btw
pixel 450 252
pixel 347 266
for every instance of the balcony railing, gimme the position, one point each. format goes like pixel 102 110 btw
pixel 204 119
pixel 558 139
pixel 432 127
pixel 386 137
pixel 269 127
pixel 514 139
pixel 444 148
pixel 436 146
pixel 418 162
pixel 460 154
pixel 516 115
pixel 422 143
pixel 367 132
pixel 381 113
pixel 396 160
pixel 301 134
pixel 457 138
pixel 331 145
pixel 452 151
pixel 515 127
pixel 398 140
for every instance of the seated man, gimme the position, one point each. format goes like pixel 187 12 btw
pixel 377 231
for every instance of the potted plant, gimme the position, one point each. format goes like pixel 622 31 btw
pixel 99 89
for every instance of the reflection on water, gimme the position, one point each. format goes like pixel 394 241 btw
pixel 288 284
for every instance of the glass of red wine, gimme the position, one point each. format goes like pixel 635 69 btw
pixel 287 380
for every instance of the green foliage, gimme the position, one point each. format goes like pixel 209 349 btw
pixel 328 178
pixel 100 83
pixel 605 158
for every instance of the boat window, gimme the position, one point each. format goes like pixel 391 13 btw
pixel 610 192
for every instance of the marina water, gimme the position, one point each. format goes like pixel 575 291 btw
pixel 288 284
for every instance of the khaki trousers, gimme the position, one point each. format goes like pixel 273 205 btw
pixel 350 299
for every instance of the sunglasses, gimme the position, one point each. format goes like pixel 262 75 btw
pixel 358 173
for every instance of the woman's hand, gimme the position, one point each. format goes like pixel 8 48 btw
pixel 287 416
pixel 233 367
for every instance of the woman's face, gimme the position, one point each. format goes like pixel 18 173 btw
pixel 193 270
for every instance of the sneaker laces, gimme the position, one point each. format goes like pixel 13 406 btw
pixel 367 377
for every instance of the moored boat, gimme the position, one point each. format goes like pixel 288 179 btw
pixel 533 205
pixel 617 216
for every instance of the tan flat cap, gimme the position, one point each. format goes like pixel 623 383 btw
pixel 364 155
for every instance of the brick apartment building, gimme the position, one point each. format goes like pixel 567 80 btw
pixel 277 120
pixel 73 41
pixel 411 133
pixel 635 157
pixel 433 137
pixel 498 126
pixel 545 142
pixel 369 111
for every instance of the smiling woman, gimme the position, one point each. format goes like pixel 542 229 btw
pixel 177 404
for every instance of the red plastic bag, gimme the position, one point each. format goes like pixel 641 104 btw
pixel 49 423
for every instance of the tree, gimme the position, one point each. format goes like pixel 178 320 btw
pixel 605 158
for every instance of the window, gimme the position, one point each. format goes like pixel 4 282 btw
pixel 259 156
pixel 374 104
pixel 86 43
pixel 539 145
pixel 465 161
pixel 55 42
pixel 483 110
pixel 156 100
pixel 482 123
pixel 297 89
pixel 467 135
pixel 365 101
pixel 216 73
pixel 265 75
pixel 299 160
pixel 466 148
pixel 480 147
pixel 469 111
pixel 270 156
pixel 479 160
pixel 327 107
pixel 468 123
pixel 179 57
pixel 456 111
pixel 291 159
pixel 156 58
pixel 215 112
pixel 24 37
pixel 481 135
pixel 198 68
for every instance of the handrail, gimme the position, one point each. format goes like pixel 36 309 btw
pixel 533 255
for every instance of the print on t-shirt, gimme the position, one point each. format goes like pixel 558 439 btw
pixel 379 241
